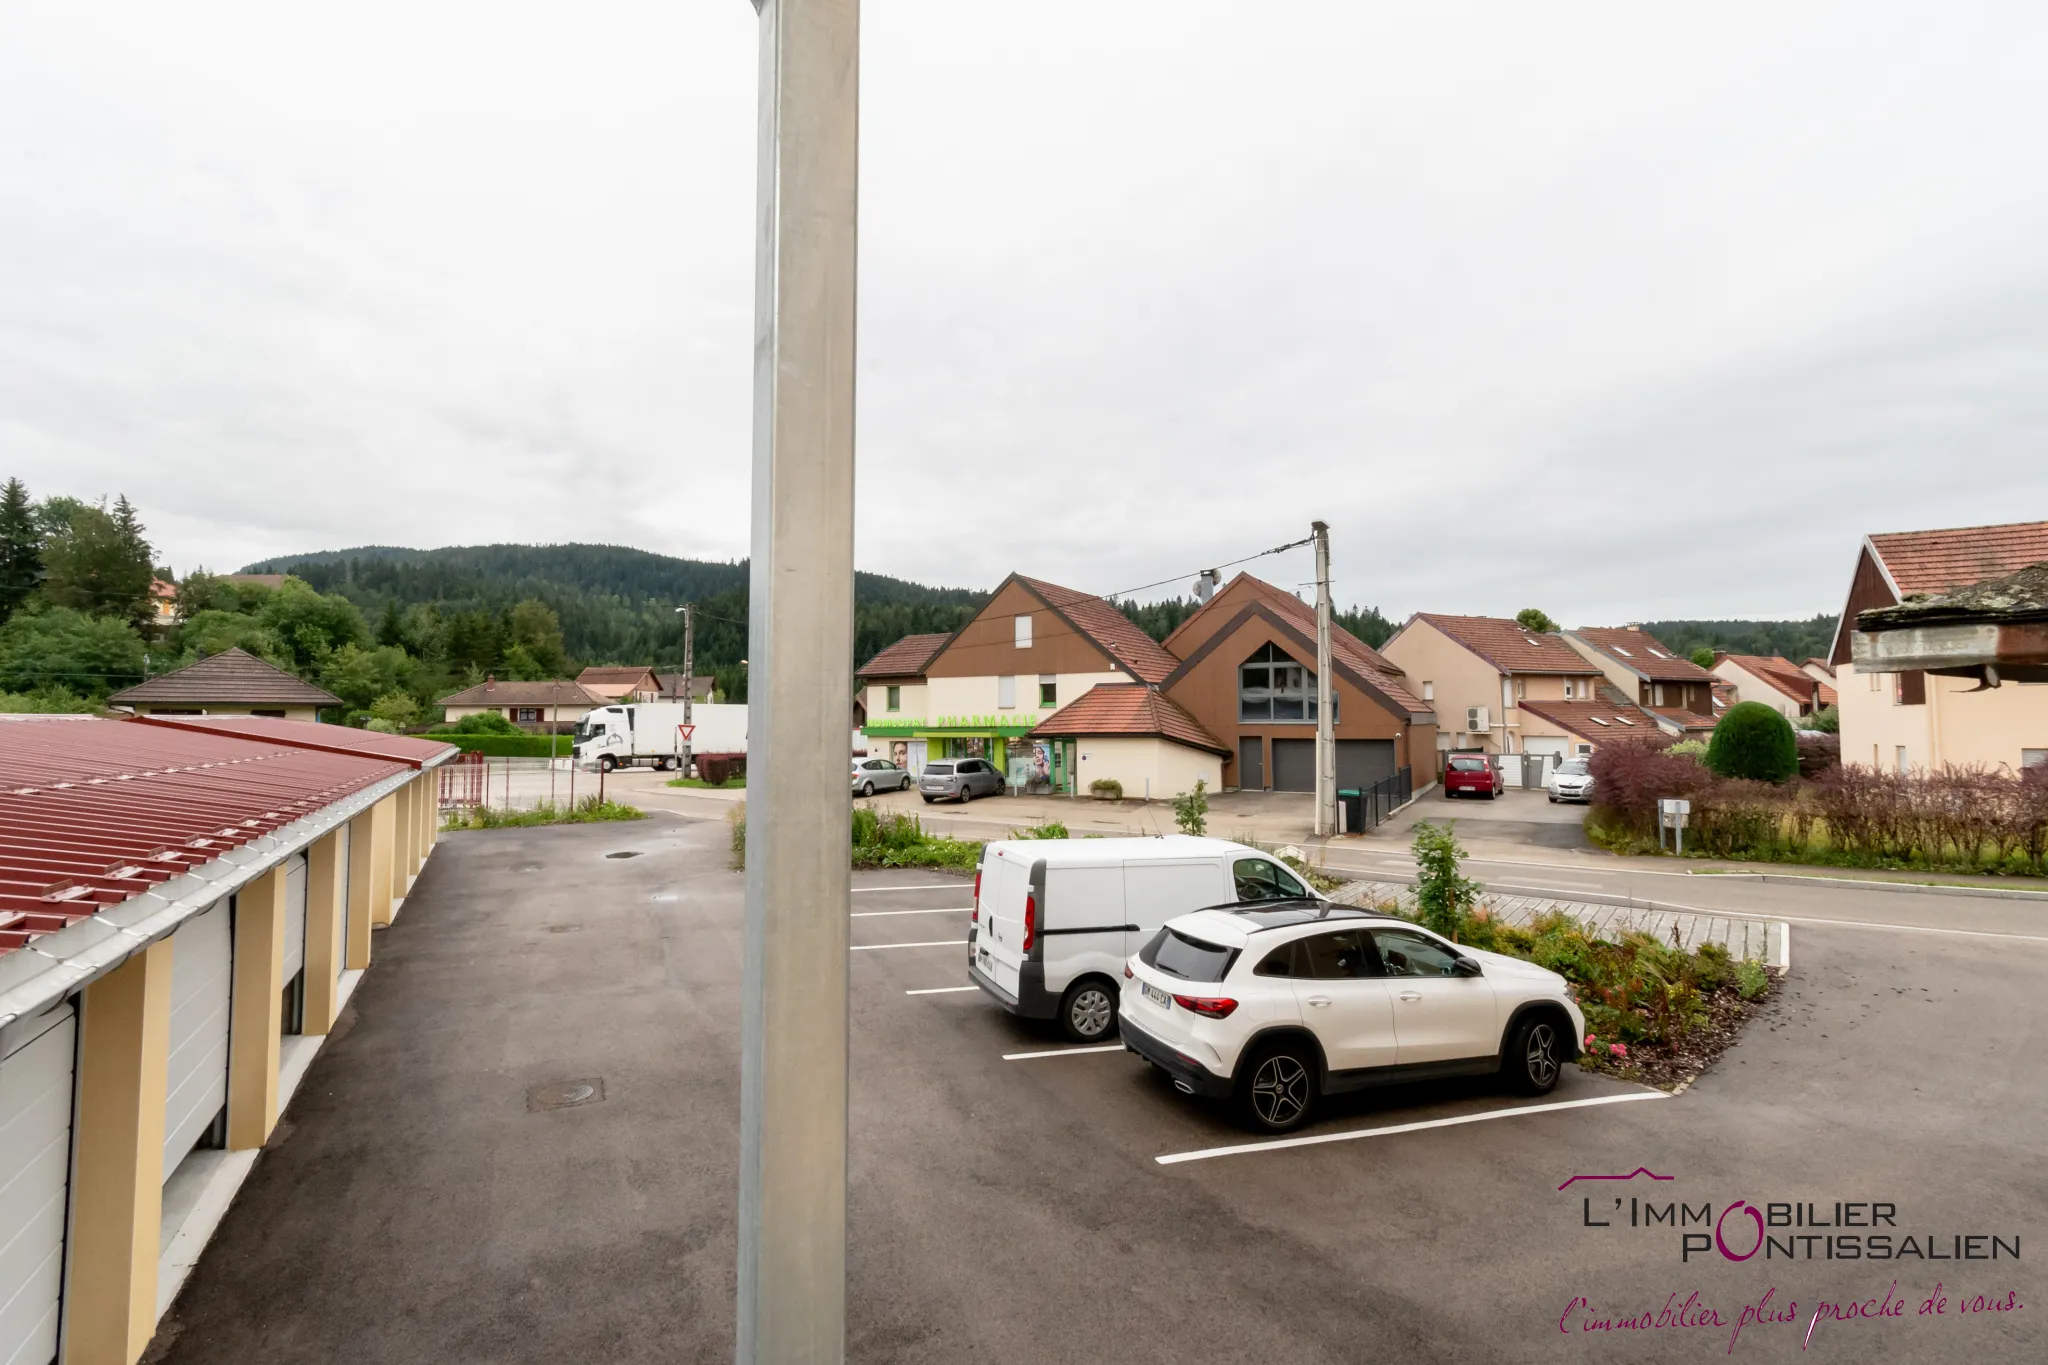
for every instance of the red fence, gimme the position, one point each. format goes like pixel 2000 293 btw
pixel 462 781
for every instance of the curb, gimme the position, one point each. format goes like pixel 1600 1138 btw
pixel 1872 884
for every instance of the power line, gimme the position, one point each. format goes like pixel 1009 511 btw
pixel 1227 564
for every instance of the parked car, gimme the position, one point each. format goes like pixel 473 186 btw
pixel 1473 773
pixel 959 779
pixel 1274 1006
pixel 1054 919
pixel 871 775
pixel 1571 780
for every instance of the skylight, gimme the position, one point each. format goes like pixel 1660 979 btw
pixel 1623 720
pixel 1659 653
pixel 1596 720
pixel 1622 652
pixel 1532 642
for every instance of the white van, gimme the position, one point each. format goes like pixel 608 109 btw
pixel 1054 919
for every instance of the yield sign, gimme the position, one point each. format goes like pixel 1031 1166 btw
pixel 686 731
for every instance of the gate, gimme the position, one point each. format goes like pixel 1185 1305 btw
pixel 462 782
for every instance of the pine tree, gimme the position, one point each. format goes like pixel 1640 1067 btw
pixel 21 558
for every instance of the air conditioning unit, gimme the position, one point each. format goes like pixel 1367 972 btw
pixel 1475 720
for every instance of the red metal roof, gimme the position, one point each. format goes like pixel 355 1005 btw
pixel 93 812
pixel 1128 709
pixel 305 734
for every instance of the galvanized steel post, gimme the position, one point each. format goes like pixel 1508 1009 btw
pixel 793 1053
pixel 1326 721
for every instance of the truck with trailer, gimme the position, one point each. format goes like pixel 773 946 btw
pixel 650 735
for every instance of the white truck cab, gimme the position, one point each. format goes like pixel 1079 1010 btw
pixel 650 734
pixel 1054 919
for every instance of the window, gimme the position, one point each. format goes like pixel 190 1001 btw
pixel 2033 758
pixel 1345 956
pixel 1190 959
pixel 1023 620
pixel 1048 691
pixel 1407 953
pixel 1429 691
pixel 1874 681
pixel 1658 692
pixel 1006 692
pixel 528 714
pixel 1902 757
pixel 1521 688
pixel 1271 686
pixel 938 770
pixel 1261 880
pixel 275 715
pixel 893 699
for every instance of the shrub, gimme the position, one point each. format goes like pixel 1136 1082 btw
pixel 587 811
pixel 1694 749
pixel 737 818
pixel 483 723
pixel 1826 721
pixel 1629 778
pixel 719 769
pixel 1191 809
pixel 1755 743
pixel 399 709
pixel 1106 789
pixel 379 725
pixel 1442 896
pixel 1703 656
pixel 506 746
pixel 1051 829
pixel 1750 979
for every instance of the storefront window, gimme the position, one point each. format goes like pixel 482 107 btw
pixel 1272 686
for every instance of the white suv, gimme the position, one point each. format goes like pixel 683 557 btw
pixel 1274 1005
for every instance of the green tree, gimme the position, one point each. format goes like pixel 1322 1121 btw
pixel 1753 741
pixel 533 626
pixel 21 548
pixel 391 625
pixel 518 664
pixel 1704 656
pixel 212 631
pixel 1443 895
pixel 1529 618
pixel 359 676
pixel 99 563
pixel 53 515
pixel 312 624
pixel 1191 809
pixel 1827 720
pixel 473 641
pixel 396 709
pixel 61 647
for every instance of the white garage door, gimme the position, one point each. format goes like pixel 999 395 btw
pixel 295 916
pixel 35 1133
pixel 198 1081
pixel 348 922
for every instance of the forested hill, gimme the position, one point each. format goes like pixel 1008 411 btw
pixel 616 604
pixel 1794 640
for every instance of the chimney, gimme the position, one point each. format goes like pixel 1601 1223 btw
pixel 489 682
pixel 1635 625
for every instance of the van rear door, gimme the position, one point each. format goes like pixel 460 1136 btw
pixel 1155 890
pixel 1084 924
pixel 999 942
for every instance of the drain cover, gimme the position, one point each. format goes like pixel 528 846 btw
pixel 667 896
pixel 565 928
pixel 565 1094
pixel 629 853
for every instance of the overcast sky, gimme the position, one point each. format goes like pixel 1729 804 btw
pixel 1622 311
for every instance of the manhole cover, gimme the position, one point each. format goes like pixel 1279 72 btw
pixel 565 1094
pixel 629 853
pixel 565 928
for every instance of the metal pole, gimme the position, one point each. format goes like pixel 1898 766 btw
pixel 1326 726
pixel 689 670
pixel 793 1037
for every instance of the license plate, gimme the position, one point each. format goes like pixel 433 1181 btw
pixel 1157 996
pixel 984 959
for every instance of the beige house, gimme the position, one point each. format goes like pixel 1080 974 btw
pixel 1134 735
pixel 1778 683
pixel 233 682
pixel 1639 667
pixel 1904 721
pixel 549 707
pixel 619 684
pixel 1475 671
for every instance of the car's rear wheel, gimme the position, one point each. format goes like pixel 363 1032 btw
pixel 1535 1056
pixel 867 789
pixel 929 799
pixel 1277 1093
pixel 1088 1010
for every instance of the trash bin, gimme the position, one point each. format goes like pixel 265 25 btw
pixel 1350 811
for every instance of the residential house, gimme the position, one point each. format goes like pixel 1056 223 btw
pixel 1246 673
pixel 1476 671
pixel 1638 666
pixel 186 906
pixel 1583 726
pixel 1907 720
pixel 163 606
pixel 1134 735
pixel 1778 683
pixel 233 682
pixel 621 684
pixel 549 707
pixel 670 687
pixel 893 700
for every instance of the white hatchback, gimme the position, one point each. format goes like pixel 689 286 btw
pixel 1277 1005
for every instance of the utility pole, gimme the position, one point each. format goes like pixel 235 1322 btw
pixel 1326 725
pixel 793 1021
pixel 689 675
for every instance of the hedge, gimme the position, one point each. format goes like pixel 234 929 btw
pixel 507 746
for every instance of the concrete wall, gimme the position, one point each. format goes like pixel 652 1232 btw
pixel 1953 726
pixel 1168 768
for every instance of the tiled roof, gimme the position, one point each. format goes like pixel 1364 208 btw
pixel 92 813
pixel 1349 650
pixel 1594 720
pixel 1783 674
pixel 1936 561
pixel 305 734
pixel 672 685
pixel 904 659
pixel 232 677
pixel 547 692
pixel 1130 709
pixel 608 673
pixel 1828 695
pixel 1508 646
pixel 1817 662
pixel 1112 632
pixel 1643 652
pixel 1683 719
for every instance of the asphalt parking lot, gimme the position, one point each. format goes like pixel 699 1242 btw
pixel 1008 1201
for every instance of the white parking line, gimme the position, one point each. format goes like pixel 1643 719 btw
pixel 1276 1144
pixel 948 910
pixel 919 886
pixel 942 990
pixel 1060 1052
pixel 933 943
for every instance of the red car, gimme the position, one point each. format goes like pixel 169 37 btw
pixel 1473 773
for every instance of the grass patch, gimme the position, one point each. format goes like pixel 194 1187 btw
pixel 589 810
pixel 738 783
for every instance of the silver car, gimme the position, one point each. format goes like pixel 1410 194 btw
pixel 1572 780
pixel 871 775
pixel 959 779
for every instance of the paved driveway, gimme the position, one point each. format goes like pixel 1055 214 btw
pixel 1514 817
pixel 416 1210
